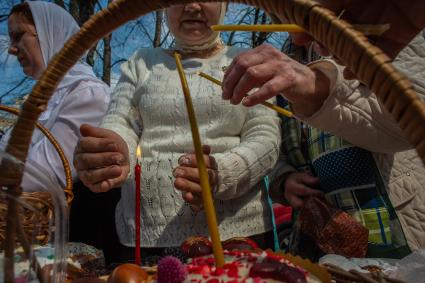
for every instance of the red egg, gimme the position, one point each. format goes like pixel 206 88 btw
pixel 128 273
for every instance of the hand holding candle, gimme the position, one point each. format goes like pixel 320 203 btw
pixel 273 73
pixel 187 176
pixel 137 175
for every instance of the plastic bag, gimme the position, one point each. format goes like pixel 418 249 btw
pixel 324 229
pixel 411 269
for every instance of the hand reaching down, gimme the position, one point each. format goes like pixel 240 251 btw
pixel 101 159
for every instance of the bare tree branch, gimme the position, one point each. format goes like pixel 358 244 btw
pixel 118 62
pixel 242 43
pixel 241 20
pixel 254 34
pixel 262 36
pixel 134 25
pixel 86 10
pixel 142 26
pixel 12 89
pixel 158 28
pixel 106 75
pixel 165 38
pixel 74 10
pixel 60 3
pixel 90 55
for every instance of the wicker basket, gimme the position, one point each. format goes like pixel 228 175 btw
pixel 36 216
pixel 367 62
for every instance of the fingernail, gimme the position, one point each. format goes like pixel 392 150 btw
pixel 184 160
pixel 178 172
pixel 104 186
pixel 118 159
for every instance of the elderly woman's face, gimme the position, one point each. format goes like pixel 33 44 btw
pixel 25 46
pixel 191 22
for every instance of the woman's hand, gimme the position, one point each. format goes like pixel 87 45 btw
pixel 298 186
pixel 101 159
pixel 188 180
pixel 274 73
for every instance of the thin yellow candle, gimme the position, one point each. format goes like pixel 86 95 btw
pixel 276 108
pixel 264 28
pixel 205 185
pixel 208 77
pixel 363 28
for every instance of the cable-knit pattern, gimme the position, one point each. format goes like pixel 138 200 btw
pixel 244 142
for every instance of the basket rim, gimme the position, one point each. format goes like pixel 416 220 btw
pixel 66 166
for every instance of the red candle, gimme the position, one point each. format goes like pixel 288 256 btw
pixel 137 174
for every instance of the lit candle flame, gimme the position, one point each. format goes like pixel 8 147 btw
pixel 138 152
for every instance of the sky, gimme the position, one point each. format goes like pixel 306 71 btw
pixel 14 84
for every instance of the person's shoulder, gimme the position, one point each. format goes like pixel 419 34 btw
pixel 93 85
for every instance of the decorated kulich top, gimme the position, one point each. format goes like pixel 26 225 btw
pixel 240 267
pixel 246 266
pixel 244 263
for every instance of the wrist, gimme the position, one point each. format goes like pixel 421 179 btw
pixel 324 75
pixel 277 188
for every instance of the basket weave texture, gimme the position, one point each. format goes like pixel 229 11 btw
pixel 37 215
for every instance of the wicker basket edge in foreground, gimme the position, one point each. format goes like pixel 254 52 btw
pixel 368 63
pixel 37 214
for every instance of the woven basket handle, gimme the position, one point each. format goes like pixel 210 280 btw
pixel 367 62
pixel 68 186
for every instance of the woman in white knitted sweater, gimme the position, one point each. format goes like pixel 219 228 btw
pixel 148 110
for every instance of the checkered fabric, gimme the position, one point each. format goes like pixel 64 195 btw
pixel 351 181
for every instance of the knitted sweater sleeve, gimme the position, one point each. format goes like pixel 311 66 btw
pixel 123 108
pixel 242 167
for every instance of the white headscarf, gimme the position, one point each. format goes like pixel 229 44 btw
pixel 210 42
pixel 54 26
